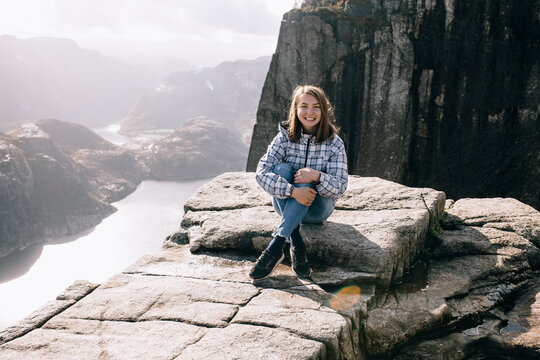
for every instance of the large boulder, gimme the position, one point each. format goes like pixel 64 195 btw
pixel 379 227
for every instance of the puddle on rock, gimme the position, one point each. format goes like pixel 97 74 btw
pixel 413 281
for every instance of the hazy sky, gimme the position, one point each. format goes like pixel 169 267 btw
pixel 203 32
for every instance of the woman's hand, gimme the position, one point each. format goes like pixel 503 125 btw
pixel 306 175
pixel 304 195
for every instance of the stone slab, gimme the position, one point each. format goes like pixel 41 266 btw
pixel 236 190
pixel 372 193
pixel 238 341
pixel 137 298
pixel 305 313
pixel 67 298
pixel 502 213
pixel 91 339
pixel 177 261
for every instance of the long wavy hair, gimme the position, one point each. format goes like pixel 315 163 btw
pixel 326 127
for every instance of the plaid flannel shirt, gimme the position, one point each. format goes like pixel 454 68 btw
pixel 329 158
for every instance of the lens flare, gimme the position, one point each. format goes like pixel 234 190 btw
pixel 345 298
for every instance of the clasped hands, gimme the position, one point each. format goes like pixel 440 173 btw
pixel 305 195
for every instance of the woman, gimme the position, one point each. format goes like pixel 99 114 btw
pixel 305 171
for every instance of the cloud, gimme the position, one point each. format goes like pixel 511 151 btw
pixel 121 27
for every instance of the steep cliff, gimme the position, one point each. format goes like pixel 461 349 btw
pixel 435 93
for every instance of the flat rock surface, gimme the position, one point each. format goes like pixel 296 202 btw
pixel 179 305
pixel 501 213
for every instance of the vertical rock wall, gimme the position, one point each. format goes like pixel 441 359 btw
pixel 438 93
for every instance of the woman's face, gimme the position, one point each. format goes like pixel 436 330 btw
pixel 308 111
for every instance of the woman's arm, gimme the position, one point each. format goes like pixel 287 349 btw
pixel 272 183
pixel 333 182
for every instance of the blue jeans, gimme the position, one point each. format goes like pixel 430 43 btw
pixel 292 212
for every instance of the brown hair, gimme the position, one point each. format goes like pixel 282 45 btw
pixel 325 128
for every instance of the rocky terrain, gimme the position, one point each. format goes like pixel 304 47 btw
pixel 426 279
pixel 441 94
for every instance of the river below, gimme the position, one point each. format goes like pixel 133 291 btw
pixel 35 275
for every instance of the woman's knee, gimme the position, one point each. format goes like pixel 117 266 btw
pixel 319 211
pixel 315 218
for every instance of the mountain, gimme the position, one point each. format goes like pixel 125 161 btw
pixel 43 193
pixel 228 93
pixel 199 148
pixel 54 78
pixel 59 178
pixel 153 71
pixel 440 94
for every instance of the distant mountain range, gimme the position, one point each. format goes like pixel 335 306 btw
pixel 55 78
pixel 58 178
pixel 45 78
pixel 228 93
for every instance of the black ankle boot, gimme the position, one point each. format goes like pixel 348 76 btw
pixel 299 261
pixel 265 265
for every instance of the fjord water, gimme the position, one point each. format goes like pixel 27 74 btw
pixel 36 275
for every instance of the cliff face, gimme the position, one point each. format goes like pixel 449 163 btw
pixel 436 93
